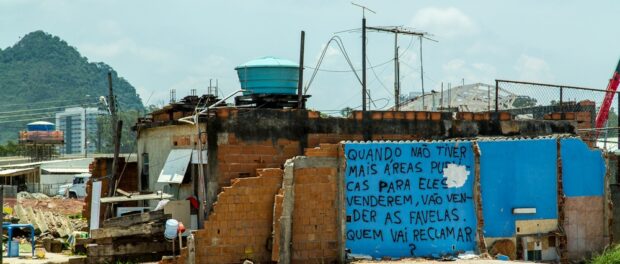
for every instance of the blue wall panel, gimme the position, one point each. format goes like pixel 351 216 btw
pixel 516 174
pixel 583 169
pixel 400 204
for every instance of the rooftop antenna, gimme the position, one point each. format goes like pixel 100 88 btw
pixel 406 31
pixel 363 53
pixel 173 95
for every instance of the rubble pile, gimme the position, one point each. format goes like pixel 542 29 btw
pixel 56 220
pixel 59 205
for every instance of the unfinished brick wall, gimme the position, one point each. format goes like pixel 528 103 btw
pixel 315 224
pixel 240 226
pixel 237 158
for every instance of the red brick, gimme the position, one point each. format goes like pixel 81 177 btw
pixel 420 116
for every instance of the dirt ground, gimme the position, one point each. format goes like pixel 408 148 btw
pixel 57 205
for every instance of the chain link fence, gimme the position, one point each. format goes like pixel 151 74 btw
pixel 528 100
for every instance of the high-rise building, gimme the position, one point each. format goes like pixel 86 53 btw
pixel 74 122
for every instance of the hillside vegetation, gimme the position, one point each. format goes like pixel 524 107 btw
pixel 41 75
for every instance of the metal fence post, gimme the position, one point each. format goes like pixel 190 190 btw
pixel 561 99
pixel 496 95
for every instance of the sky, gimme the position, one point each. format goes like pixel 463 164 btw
pixel 162 45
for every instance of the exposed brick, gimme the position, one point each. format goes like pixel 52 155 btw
pixel 242 220
pixel 420 116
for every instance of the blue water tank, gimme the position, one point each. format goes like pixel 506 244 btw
pixel 41 126
pixel 268 75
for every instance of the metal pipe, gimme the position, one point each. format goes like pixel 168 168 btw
pixel 496 95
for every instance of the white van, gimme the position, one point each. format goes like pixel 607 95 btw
pixel 77 188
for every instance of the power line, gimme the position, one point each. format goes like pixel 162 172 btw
pixel 368 68
pixel 43 102
pixel 343 50
pixel 45 108
pixel 21 115
pixel 23 120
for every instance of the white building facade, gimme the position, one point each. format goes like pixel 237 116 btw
pixel 80 127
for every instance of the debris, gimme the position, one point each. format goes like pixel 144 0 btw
pixel 130 237
pixel 504 247
pixel 468 255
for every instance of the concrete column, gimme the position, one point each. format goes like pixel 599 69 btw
pixel 286 220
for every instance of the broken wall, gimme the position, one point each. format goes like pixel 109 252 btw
pixel 583 172
pixel 528 174
pixel 240 225
pixel 518 174
pixel 243 140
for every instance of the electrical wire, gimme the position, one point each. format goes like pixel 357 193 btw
pixel 340 43
pixel 45 108
pixel 377 77
pixel 43 102
pixel 341 71
pixel 23 120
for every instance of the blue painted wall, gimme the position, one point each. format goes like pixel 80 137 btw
pixel 583 169
pixel 515 174
pixel 399 204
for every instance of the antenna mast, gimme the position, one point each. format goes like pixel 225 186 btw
pixel 405 31
pixel 363 53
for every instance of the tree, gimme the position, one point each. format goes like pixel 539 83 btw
pixel 523 101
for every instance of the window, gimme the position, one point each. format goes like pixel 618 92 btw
pixel 144 176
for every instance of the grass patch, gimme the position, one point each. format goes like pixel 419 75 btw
pixel 611 255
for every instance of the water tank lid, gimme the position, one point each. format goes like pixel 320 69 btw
pixel 268 62
pixel 41 123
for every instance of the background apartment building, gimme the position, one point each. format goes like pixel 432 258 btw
pixel 74 122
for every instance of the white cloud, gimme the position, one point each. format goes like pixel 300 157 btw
pixel 446 22
pixel 531 68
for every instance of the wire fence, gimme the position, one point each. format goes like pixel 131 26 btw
pixel 528 100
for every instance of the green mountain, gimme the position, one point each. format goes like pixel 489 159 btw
pixel 41 75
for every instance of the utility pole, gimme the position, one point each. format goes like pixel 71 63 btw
pixel 404 31
pixel 116 127
pixel 363 53
pixel 396 75
pixel 85 133
pixel 300 103
pixel 422 74
pixel 364 64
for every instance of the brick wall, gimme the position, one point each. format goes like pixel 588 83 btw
pixel 238 159
pixel 315 225
pixel 241 222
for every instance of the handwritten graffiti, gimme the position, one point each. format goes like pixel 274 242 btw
pixel 411 199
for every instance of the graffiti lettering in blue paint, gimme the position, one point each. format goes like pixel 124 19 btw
pixel 410 199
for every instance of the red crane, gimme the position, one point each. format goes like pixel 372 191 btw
pixel 603 113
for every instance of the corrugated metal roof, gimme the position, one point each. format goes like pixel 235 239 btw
pixel 13 172
pixel 64 170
